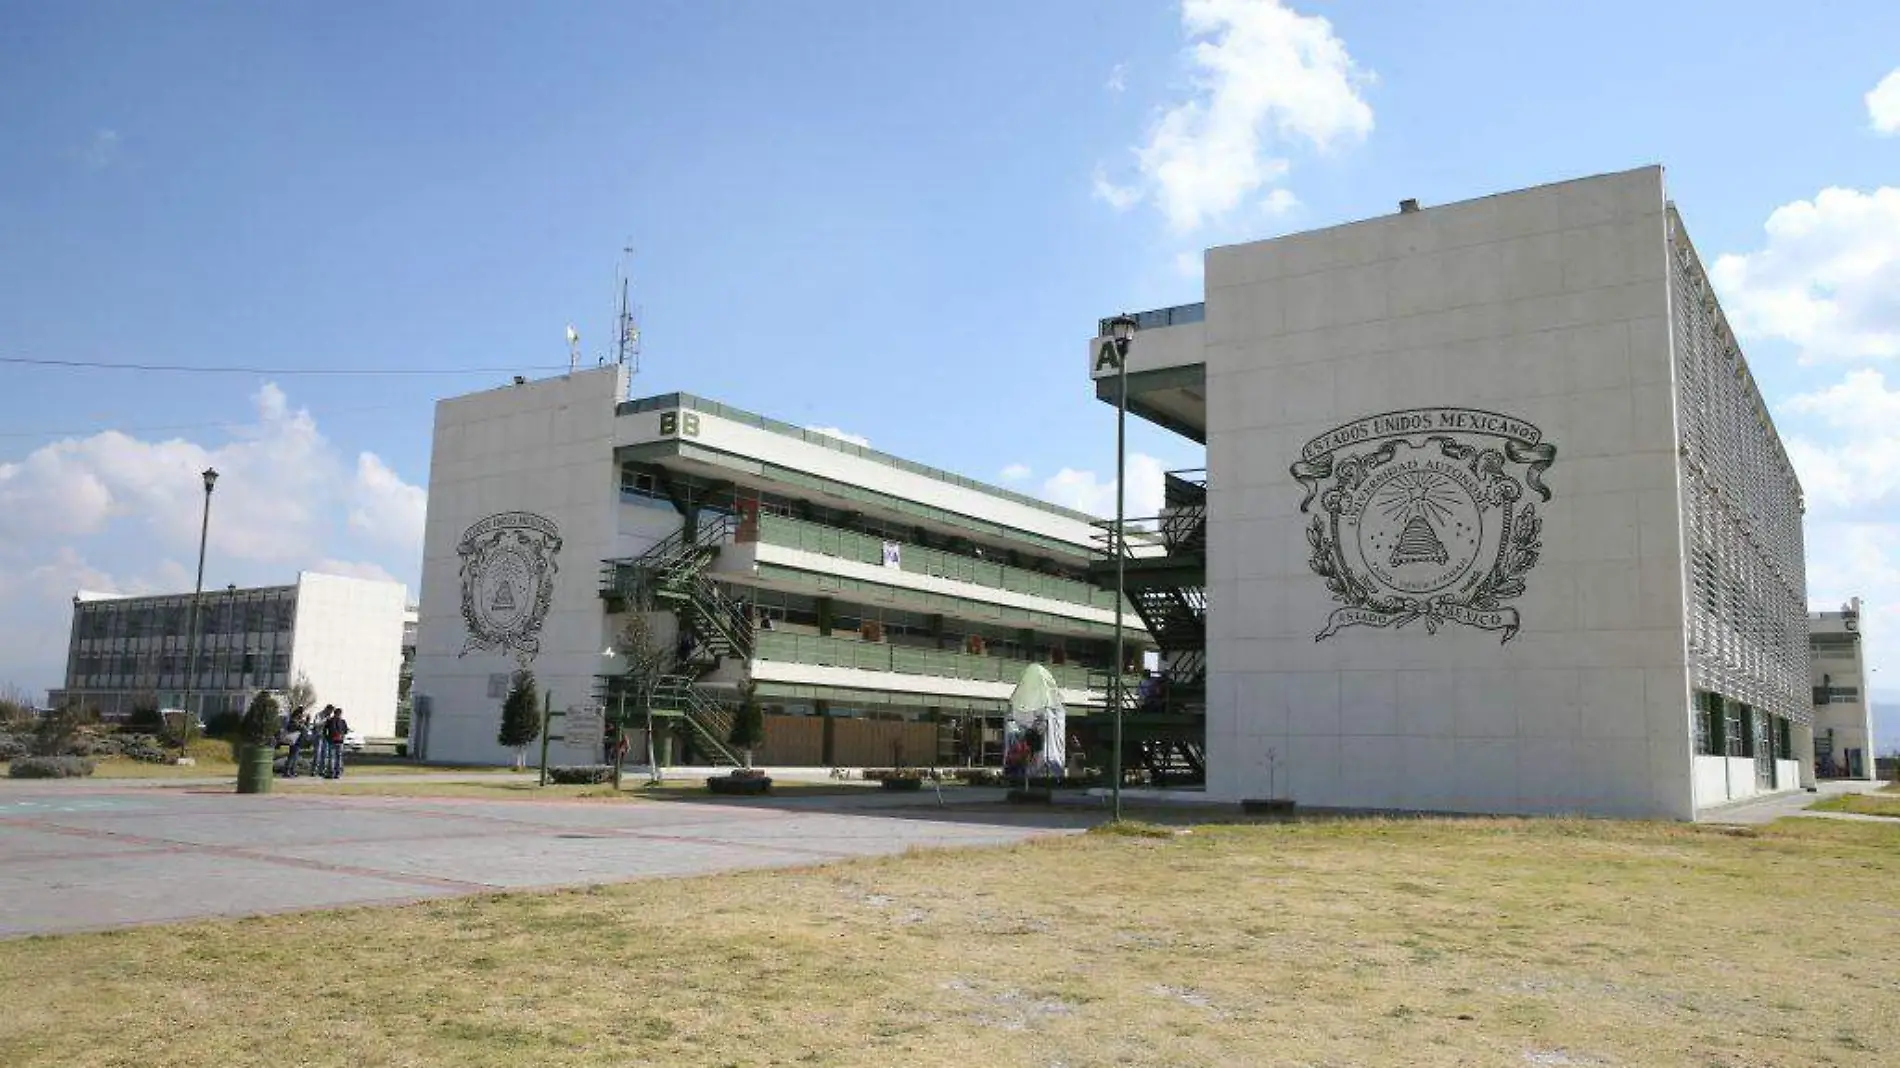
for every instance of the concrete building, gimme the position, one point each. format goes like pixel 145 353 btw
pixel 1494 518
pixel 1843 712
pixel 343 634
pixel 884 609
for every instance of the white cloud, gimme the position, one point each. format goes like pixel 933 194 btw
pixel 1190 264
pixel 115 513
pixel 841 435
pixel 1086 492
pixel 1117 78
pixel 1265 79
pixel 102 151
pixel 1016 472
pixel 387 508
pixel 356 569
pixel 1827 280
pixel 1883 104
pixel 1119 197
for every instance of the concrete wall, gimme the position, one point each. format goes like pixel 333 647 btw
pixel 1720 780
pixel 348 641
pixel 1547 306
pixel 544 448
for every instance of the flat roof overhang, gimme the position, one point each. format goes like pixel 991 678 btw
pixel 1171 397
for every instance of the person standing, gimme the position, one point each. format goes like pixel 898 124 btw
pixel 334 732
pixel 294 733
pixel 319 739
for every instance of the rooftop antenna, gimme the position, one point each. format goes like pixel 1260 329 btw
pixel 573 348
pixel 627 318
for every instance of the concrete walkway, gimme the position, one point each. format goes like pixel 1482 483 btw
pixel 1777 806
pixel 88 855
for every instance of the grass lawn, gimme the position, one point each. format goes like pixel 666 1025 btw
pixel 1428 942
pixel 1884 803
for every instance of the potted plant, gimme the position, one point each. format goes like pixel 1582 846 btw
pixel 257 744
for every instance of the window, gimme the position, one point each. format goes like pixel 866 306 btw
pixel 1734 727
pixel 1707 730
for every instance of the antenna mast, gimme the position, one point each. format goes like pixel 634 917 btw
pixel 627 320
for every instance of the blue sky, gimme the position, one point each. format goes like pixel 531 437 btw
pixel 838 209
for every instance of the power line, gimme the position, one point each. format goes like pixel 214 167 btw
pixel 176 368
pixel 227 425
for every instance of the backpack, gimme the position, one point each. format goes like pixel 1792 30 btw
pixel 336 730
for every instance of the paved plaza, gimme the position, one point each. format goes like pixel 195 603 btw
pixel 78 857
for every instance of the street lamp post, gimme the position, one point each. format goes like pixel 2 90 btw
pixel 1121 332
pixel 191 619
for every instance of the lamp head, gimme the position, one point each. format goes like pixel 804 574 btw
pixel 1122 328
pixel 211 478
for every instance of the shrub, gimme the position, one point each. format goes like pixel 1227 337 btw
pixel 226 724
pixel 260 723
pixel 143 748
pixel 49 767
pixel 581 774
pixel 11 746
pixel 144 717
pixel 520 716
pixel 57 734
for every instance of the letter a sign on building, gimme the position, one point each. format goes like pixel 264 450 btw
pixel 1424 516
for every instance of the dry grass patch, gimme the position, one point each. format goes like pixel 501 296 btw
pixel 1427 942
pixel 1884 803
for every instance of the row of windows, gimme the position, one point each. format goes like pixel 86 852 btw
pixel 1747 604
pixel 1727 727
pixel 218 613
pixel 223 661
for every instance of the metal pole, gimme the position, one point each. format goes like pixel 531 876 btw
pixel 191 629
pixel 547 716
pixel 653 766
pixel 1119 542
pixel 620 736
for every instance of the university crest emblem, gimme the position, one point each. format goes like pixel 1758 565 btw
pixel 1424 515
pixel 508 568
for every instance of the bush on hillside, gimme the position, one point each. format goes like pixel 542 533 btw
pixel 50 767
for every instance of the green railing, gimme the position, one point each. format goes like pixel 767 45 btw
pixel 917 560
pixel 879 656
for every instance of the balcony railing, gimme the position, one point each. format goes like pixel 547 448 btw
pixel 879 656
pixel 1179 315
pixel 917 560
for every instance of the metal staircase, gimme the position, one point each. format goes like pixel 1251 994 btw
pixel 675 574
pixel 1164 560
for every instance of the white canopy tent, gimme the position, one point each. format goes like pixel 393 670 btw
pixel 1036 712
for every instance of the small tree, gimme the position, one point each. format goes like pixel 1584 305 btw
pixel 16 707
pixel 301 694
pixel 259 726
pixel 58 730
pixel 520 717
pixel 748 726
pixel 644 660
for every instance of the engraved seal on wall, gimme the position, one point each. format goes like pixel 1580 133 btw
pixel 509 561
pixel 1425 516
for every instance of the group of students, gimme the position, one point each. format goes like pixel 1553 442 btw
pixel 327 730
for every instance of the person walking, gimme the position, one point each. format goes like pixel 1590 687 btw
pixel 334 731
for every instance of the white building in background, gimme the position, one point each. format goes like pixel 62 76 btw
pixel 884 609
pixel 1843 711
pixel 1495 517
pixel 343 634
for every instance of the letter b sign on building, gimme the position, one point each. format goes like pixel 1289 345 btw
pixel 679 424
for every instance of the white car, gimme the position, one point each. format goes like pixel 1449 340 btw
pixel 353 741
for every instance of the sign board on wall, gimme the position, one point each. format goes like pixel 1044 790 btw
pixel 893 554
pixel 584 725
